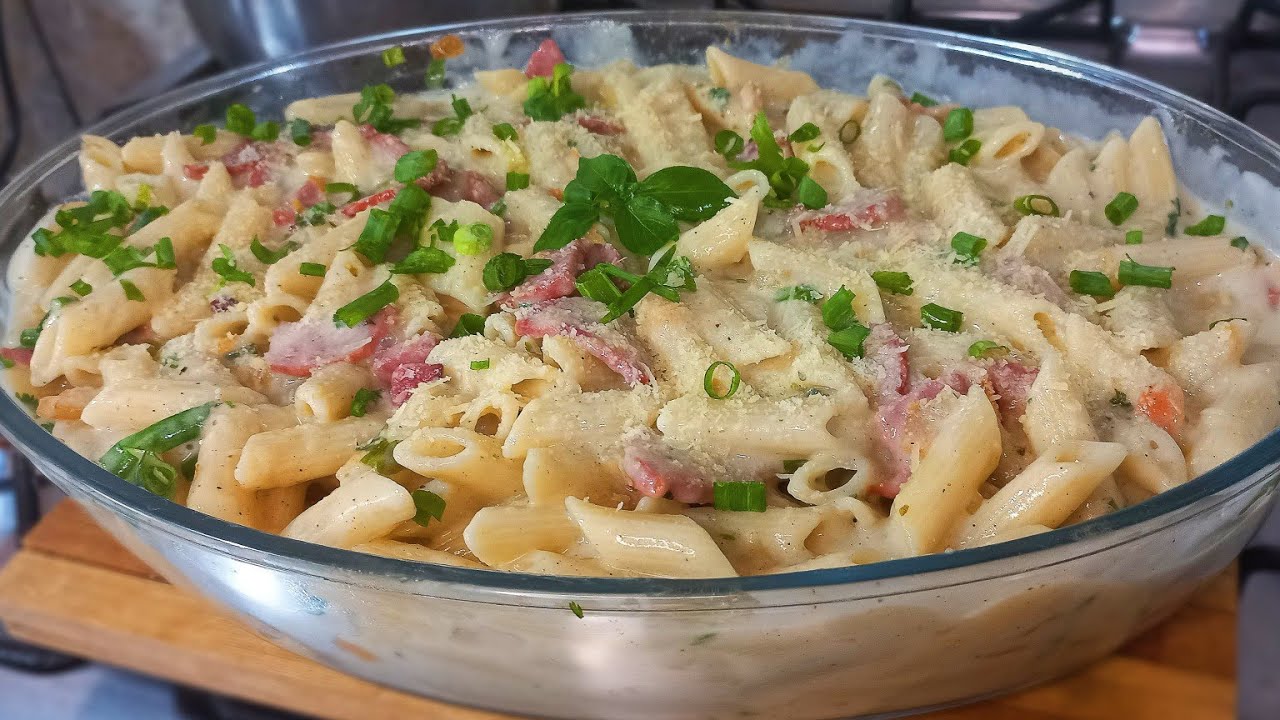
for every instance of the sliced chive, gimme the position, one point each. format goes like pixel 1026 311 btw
pixel 811 194
pixel 380 456
pixel 729 144
pixel 1134 273
pixel 365 306
pixel 517 181
pixel 1211 225
pixel 81 288
pixel 596 285
pixel 480 364
pixel 709 380
pixel 967 247
pixel 267 256
pixel 1239 242
pixel 958 125
pixel 428 505
pixel 360 403
pixel 377 235
pixel 266 131
pixel 940 318
pixel 300 132
pixel 131 291
pixel 165 257
pixel 415 164
pixel 987 348
pixel 837 310
pixel 206 132
pixel 850 341
pixel 576 609
pixel 1133 237
pixel 338 188
pixel 225 267
pixel 311 269
pixel 964 152
pixel 423 260
pixel 894 282
pixel 1037 205
pixel 473 239
pixel 434 77
pixel 393 56
pixel 1091 282
pixel 505 131
pixel 804 133
pixel 468 324
pixel 739 496
pixel 923 100
pixel 807 293
pixel 1120 207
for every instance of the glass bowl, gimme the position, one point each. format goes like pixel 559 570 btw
pixel 886 638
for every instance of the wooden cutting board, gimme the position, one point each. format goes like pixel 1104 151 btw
pixel 73 588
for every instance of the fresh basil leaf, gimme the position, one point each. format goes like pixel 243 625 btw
pixel 569 223
pixel 644 225
pixel 607 176
pixel 690 193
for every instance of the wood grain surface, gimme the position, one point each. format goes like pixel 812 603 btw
pixel 75 589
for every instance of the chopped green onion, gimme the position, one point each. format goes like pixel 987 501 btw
pixel 480 364
pixel 473 239
pixel 850 131
pixel 300 132
pixel 709 380
pixel 894 282
pixel 422 260
pixel 517 181
pixel 499 208
pixel 804 133
pixel 1133 273
pixel 434 77
pixel 6 363
pixel 811 194
pixel 468 324
pixel 504 131
pixel 837 310
pixel 964 152
pixel 206 132
pixel 1091 282
pixel 311 269
pixel 507 270
pixel 393 56
pixel 378 234
pixel 226 268
pixel 125 258
pixel 267 256
pixel 1120 207
pixel 807 293
pixel 81 288
pixel 360 403
pixel 31 401
pixel 144 197
pixel 365 306
pixel 553 98
pixel 576 609
pixel 146 217
pixel 380 456
pixel 136 458
pixel 958 125
pixel 729 144
pixel 240 119
pixel 415 164
pixel 453 125
pixel 850 340
pixel 1240 242
pixel 1133 237
pixel 266 131
pixel 941 318
pixel 967 247
pixel 1037 205
pixel 165 257
pixel 987 348
pixel 1211 225
pixel 374 108
pixel 923 100
pixel 739 496
pixel 337 188
pixel 131 291
pixel 596 285
pixel 719 94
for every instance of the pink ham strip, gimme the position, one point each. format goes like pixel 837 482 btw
pixel 557 281
pixel 401 367
pixel 543 61
pixel 656 468
pixel 298 348
pixel 18 355
pixel 864 210
pixel 569 317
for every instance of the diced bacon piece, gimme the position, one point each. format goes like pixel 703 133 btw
pixel 195 171
pixel 870 210
pixel 406 378
pixel 655 468
pixel 389 145
pixel 1016 271
pixel 888 352
pixel 543 61
pixel 1273 296
pixel 298 348
pixel 466 185
pixel 18 355
pixel 567 264
pixel 311 193
pixel 283 217
pixel 1011 382
pixel 894 435
pixel 599 125
pixel 248 163
pixel 355 207
pixel 390 355
pixel 1165 406
pixel 576 319
pixel 449 46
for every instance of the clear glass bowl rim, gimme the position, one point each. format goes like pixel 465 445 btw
pixel 234 540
